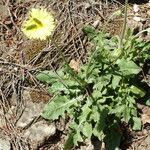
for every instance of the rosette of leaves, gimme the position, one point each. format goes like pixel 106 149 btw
pixel 100 96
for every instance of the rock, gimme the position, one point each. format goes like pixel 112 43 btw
pixel 138 19
pixel 35 132
pixel 39 132
pixel 145 118
pixel 4 144
pixel 135 25
pixel 87 6
pixel 88 146
pixel 96 23
pixel 148 12
pixel 31 111
pixel 135 8
pixel 3 12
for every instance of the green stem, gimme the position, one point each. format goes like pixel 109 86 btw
pixel 59 49
pixel 89 64
pixel 72 73
pixel 124 25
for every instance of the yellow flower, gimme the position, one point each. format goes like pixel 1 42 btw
pixel 39 25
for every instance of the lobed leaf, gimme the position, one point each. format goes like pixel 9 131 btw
pixel 47 76
pixel 136 123
pixel 87 130
pixel 137 91
pixel 128 67
pixel 57 107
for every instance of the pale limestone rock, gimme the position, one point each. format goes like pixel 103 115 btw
pixel 4 144
pixel 135 8
pixel 138 19
pixel 39 132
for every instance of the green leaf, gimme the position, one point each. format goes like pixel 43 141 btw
pixel 100 125
pixel 85 112
pixel 77 138
pixel 97 94
pixel 57 107
pixel 73 86
pixel 147 102
pixel 105 79
pixel 134 111
pixel 58 87
pixel 116 53
pixel 99 132
pixel 136 123
pixel 47 76
pixel 71 82
pixel 115 81
pixel 69 142
pixel 95 114
pixel 90 31
pixel 128 67
pixel 87 129
pixel 113 137
pixel 118 109
pixel 98 86
pixel 127 114
pixel 137 91
pixel 131 101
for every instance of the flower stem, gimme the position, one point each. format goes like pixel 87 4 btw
pixel 124 25
pixel 71 72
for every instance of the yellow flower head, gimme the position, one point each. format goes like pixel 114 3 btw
pixel 39 25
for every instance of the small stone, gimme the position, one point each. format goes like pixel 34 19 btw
pixel 138 19
pixel 135 8
pixel 4 144
pixel 15 69
pixel 96 23
pixel 137 15
pixel 75 65
pixel 87 6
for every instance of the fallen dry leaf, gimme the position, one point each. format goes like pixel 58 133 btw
pixel 74 65
pixel 145 118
